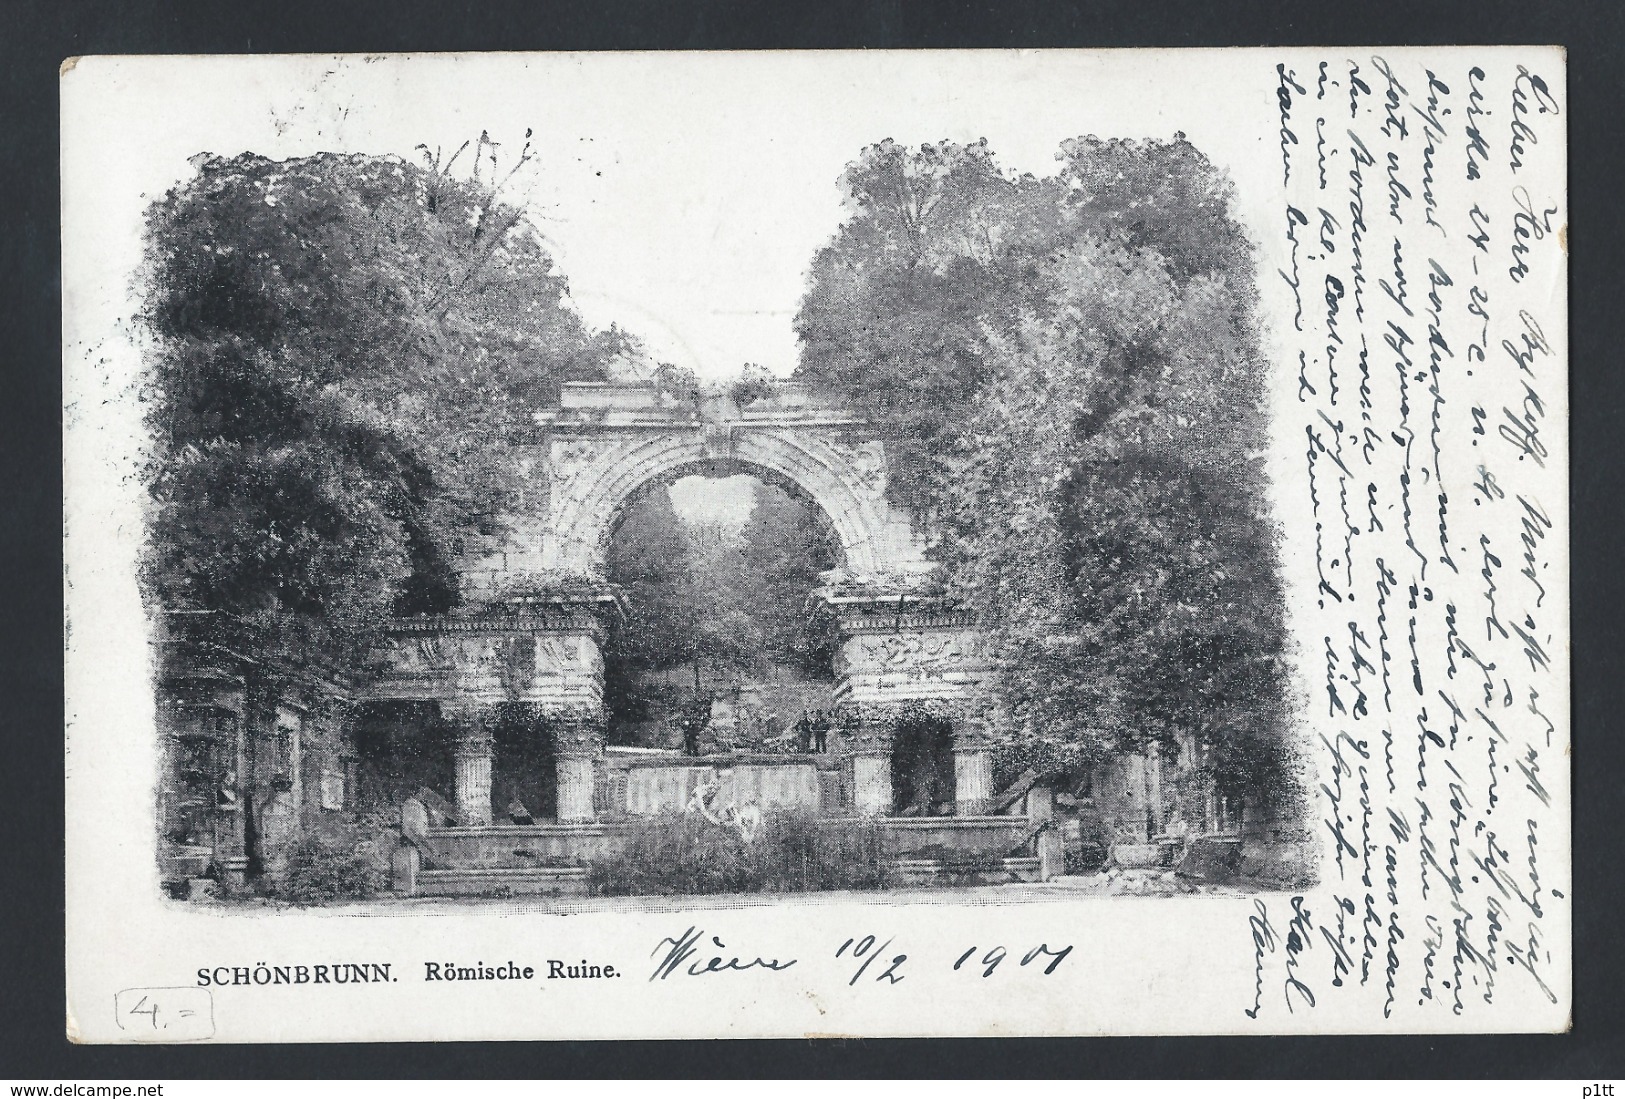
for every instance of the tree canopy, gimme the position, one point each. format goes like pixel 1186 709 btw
pixel 787 544
pixel 729 599
pixel 1067 369
pixel 345 348
pixel 724 601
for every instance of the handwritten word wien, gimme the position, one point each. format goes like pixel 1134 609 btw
pixel 689 955
pixel 1421 268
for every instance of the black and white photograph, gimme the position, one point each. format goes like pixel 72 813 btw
pixel 767 544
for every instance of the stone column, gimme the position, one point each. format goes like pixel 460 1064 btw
pixel 231 834
pixel 871 785
pixel 578 743
pixel 973 781
pixel 973 768
pixel 870 743
pixel 472 758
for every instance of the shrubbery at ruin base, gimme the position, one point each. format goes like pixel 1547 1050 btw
pixel 791 853
pixel 345 863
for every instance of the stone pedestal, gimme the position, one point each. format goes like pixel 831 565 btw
pixel 405 863
pixel 973 780
pixel 234 875
pixel 871 785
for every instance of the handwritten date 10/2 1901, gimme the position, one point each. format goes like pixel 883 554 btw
pixel 672 952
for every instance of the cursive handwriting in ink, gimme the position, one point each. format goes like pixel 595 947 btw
pixel 681 948
pixel 1431 481
pixel 1263 943
pixel 866 949
pixel 1297 940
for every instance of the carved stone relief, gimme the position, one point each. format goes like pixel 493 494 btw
pixel 911 656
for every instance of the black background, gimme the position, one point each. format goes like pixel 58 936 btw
pixel 36 37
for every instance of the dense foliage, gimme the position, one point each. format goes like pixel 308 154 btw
pixel 1069 374
pixel 344 863
pixel 344 350
pixel 683 853
pixel 648 558
pixel 786 543
pixel 347 349
pixel 725 599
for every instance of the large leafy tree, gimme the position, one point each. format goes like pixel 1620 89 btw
pixel 345 350
pixel 649 559
pixel 727 621
pixel 1081 424
pixel 787 543
pixel 690 598
pixel 937 249
pixel 712 597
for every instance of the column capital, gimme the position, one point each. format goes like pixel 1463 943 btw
pixel 578 731
pixel 868 728
pixel 471 722
pixel 965 716
pixel 467 711
pixel 472 746
pixel 972 729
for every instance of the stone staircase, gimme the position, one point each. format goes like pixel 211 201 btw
pixel 501 860
pixel 502 881
pixel 549 858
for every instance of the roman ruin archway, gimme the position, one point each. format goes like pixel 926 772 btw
pixel 546 604
pixel 607 443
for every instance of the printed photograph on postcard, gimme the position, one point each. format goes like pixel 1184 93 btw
pixel 696 545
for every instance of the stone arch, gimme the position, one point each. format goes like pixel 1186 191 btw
pixel 725 467
pixel 900 645
pixel 600 481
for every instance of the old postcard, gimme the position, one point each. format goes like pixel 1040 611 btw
pixel 710 545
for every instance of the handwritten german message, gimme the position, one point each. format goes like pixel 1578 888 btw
pixel 1423 240
pixel 1409 213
